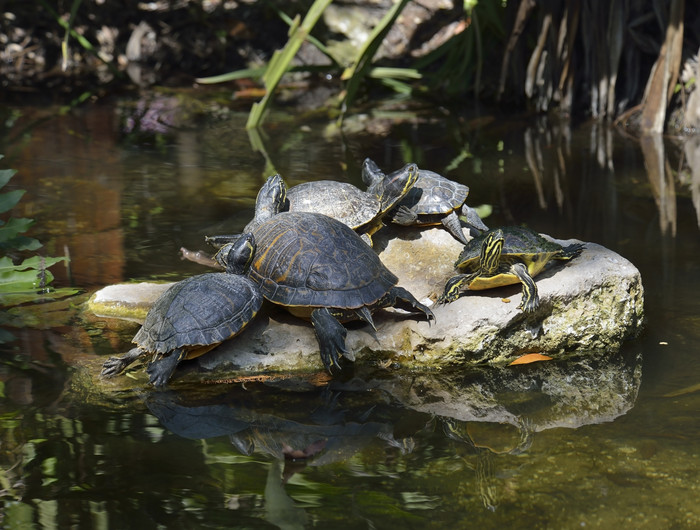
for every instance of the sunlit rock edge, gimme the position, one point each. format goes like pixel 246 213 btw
pixel 590 304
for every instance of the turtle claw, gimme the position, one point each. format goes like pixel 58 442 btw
pixel 452 289
pixel 529 305
pixel 161 370
pixel 404 216
pixel 331 338
pixel 115 365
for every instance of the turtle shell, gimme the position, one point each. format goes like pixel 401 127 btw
pixel 339 200
pixel 198 313
pixel 434 195
pixel 520 244
pixel 312 260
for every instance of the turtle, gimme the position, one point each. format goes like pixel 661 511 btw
pixel 432 200
pixel 318 268
pixel 271 199
pixel 193 316
pixel 360 210
pixel 505 256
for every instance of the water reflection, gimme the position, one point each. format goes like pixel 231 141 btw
pixel 537 443
pixel 691 149
pixel 494 413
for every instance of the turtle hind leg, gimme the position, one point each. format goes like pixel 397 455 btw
pixel 531 299
pixel 453 225
pixel 115 365
pixel 473 219
pixel 331 337
pixel 401 298
pixel 161 370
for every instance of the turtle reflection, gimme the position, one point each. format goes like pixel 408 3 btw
pixel 332 429
pixel 485 443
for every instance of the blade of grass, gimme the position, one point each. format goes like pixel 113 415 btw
pixel 281 58
pixel 69 27
pixel 355 73
pixel 86 44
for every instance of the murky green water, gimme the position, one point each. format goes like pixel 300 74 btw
pixel 616 446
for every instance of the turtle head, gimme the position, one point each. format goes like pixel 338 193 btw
pixel 394 186
pixel 491 250
pixel 236 257
pixel 371 174
pixel 271 200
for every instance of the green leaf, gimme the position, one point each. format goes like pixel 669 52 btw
pixel 22 281
pixel 21 243
pixel 6 175
pixel 13 227
pixel 231 76
pixel 35 262
pixel 13 299
pixel 10 199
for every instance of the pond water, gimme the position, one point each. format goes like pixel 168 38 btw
pixel 617 447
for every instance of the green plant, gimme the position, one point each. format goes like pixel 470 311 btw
pixel 28 280
pixel 354 73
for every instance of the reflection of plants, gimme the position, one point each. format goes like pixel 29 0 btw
pixel 29 279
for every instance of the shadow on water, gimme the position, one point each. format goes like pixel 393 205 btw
pixel 602 441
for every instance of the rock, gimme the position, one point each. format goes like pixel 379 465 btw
pixel 590 304
pixel 130 301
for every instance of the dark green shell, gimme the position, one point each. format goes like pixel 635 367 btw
pixel 202 310
pixel 522 242
pixel 339 200
pixel 311 260
pixel 434 194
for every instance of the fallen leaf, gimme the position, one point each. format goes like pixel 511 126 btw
pixel 505 300
pixel 530 358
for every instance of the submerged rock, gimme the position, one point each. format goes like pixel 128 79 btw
pixel 592 303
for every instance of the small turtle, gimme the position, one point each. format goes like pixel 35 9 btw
pixel 193 316
pixel 433 200
pixel 360 210
pixel 506 256
pixel 319 268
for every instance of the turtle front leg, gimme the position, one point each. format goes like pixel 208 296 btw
pixel 161 370
pixel 571 251
pixel 453 225
pixel 403 216
pixel 115 365
pixel 453 288
pixel 531 299
pixel 331 337
pixel 401 298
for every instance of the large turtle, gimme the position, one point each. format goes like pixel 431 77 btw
pixel 193 316
pixel 433 200
pixel 506 256
pixel 319 268
pixel 360 210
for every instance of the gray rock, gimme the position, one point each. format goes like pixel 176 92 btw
pixel 592 303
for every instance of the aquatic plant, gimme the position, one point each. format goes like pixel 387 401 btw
pixel 29 279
